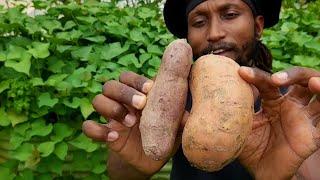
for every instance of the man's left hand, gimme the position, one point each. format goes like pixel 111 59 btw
pixel 286 130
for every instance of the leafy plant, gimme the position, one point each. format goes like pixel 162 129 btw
pixel 51 67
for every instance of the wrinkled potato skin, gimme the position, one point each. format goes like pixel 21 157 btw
pixel 166 101
pixel 221 116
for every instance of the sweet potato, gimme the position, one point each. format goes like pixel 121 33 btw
pixel 166 101
pixel 221 116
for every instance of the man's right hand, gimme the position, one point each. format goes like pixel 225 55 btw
pixel 121 103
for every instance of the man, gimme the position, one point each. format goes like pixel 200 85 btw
pixel 286 129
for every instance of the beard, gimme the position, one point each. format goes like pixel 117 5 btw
pixel 244 54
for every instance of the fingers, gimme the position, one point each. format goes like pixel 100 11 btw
pixel 102 132
pixel 136 81
pixel 117 136
pixel 295 75
pixel 95 131
pixel 109 108
pixel 124 94
pixel 262 81
pixel 300 94
pixel 314 85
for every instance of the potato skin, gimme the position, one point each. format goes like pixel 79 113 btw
pixel 166 101
pixel 221 116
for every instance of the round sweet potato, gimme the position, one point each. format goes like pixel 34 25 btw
pixel 221 116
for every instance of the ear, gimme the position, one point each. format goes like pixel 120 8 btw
pixel 259 25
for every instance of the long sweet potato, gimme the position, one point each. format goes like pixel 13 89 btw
pixel 166 101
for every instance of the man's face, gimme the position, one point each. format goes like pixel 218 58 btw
pixel 224 27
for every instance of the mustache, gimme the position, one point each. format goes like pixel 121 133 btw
pixel 215 46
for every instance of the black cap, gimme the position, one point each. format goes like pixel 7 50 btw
pixel 174 13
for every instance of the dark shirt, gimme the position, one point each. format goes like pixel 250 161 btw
pixel 181 169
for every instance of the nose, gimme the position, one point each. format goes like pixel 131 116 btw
pixel 216 31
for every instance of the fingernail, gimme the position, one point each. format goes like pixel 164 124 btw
pixel 112 136
pixel 146 87
pixel 129 120
pixel 138 101
pixel 282 76
pixel 248 70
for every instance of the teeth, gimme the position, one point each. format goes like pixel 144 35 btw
pixel 218 51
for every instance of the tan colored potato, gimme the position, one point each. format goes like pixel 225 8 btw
pixel 221 116
pixel 166 101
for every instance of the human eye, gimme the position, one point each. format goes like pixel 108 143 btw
pixel 198 22
pixel 230 15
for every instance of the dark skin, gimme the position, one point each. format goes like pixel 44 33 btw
pixel 286 130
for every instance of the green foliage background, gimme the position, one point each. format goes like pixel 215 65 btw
pixel 52 65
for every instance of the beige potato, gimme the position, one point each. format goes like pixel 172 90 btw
pixel 221 116
pixel 166 101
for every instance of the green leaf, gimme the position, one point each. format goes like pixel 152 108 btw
pixel 4 85
pixel 86 107
pixel 51 25
pixel 19 61
pixel 40 128
pixel 99 168
pixel 95 87
pixel 69 25
pixel 155 61
pixel 314 45
pixel 300 38
pixel 97 39
pixel 4 120
pixel 306 61
pixel 144 57
pixel 79 78
pixel 278 65
pixel 87 19
pixel 2 56
pixel 112 50
pixel 82 142
pixel 37 82
pixel 23 152
pixel 146 13
pixel 25 175
pixel 61 150
pixel 15 52
pixel 289 26
pixel 5 173
pixel 82 53
pixel 60 131
pixel 16 118
pixel 39 50
pixel 151 72
pixel 45 100
pixel 16 140
pixel 137 35
pixel 129 59
pixel 46 148
pixel 63 48
pixel 21 128
pixel 154 49
pixel 50 164
pixel 75 102
pixel 55 79
pixel 22 66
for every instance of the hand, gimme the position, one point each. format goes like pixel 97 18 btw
pixel 122 103
pixel 286 130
